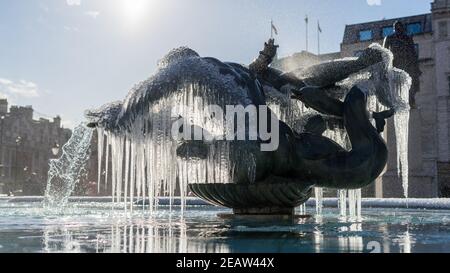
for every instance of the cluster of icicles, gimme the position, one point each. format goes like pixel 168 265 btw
pixel 349 203
pixel 144 159
pixel 143 156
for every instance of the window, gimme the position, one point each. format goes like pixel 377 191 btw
pixel 414 28
pixel 448 78
pixel 387 31
pixel 365 35
pixel 443 29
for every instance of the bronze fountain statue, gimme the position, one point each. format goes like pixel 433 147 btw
pixel 258 181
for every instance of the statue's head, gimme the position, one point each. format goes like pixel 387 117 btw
pixel 177 54
pixel 399 27
pixel 105 116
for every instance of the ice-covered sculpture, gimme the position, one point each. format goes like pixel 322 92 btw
pixel 308 113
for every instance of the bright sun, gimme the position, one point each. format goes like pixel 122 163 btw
pixel 135 10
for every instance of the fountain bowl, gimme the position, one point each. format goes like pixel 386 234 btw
pixel 275 198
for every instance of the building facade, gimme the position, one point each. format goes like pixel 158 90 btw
pixel 26 145
pixel 429 128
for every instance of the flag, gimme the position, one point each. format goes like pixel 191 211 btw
pixel 274 28
pixel 306 19
pixel 318 27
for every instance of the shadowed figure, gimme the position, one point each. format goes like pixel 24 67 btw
pixel 405 57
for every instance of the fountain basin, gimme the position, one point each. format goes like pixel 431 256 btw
pixel 94 227
pixel 255 199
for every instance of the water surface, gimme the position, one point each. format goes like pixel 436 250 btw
pixel 97 227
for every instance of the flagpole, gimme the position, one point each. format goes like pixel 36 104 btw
pixel 318 38
pixel 307 22
pixel 271 29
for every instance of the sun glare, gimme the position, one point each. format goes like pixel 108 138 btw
pixel 135 10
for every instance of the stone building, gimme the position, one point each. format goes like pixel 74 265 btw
pixel 429 143
pixel 26 145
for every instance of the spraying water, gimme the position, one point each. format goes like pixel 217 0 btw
pixel 64 173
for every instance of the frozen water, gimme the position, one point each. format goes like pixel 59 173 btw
pixel 349 203
pixel 318 192
pixel 142 147
pixel 388 88
pixel 143 151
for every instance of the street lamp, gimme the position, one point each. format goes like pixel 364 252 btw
pixel 55 149
pixel 18 142
pixel 2 120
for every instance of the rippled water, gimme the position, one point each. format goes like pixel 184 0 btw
pixel 95 227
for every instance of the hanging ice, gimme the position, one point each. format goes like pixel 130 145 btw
pixel 349 203
pixel 319 200
pixel 140 142
pixel 147 161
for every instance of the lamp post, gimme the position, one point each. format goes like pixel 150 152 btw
pixel 18 142
pixel 2 121
pixel 55 149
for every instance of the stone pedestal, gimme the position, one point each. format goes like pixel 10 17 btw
pixel 422 181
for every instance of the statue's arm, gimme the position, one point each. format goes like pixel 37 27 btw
pixel 261 64
pixel 276 78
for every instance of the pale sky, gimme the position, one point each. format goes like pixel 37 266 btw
pixel 65 56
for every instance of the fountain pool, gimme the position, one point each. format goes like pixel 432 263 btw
pixel 94 227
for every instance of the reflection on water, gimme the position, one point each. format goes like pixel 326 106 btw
pixel 97 228
pixel 60 239
pixel 350 240
pixel 155 239
pixel 406 244
pixel 406 240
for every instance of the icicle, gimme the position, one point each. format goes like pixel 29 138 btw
pixel 100 142
pixel 107 160
pixel 119 163
pixel 319 200
pixel 302 209
pixel 343 202
pixel 133 181
pixel 352 203
pixel 400 84
pixel 351 200
pixel 401 121
pixel 127 170
pixel 358 203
